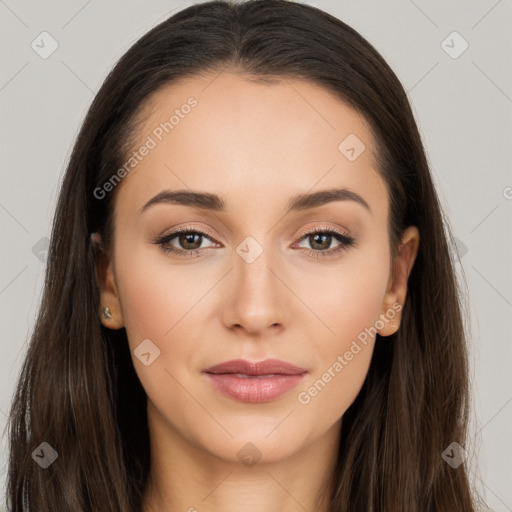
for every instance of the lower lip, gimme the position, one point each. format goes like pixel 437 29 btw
pixel 255 389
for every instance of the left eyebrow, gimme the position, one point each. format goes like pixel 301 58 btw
pixel 316 199
pixel 208 201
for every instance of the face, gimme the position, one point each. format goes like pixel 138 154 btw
pixel 265 267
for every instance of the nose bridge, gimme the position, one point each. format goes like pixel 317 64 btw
pixel 257 300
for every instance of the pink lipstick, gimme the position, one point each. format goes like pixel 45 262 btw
pixel 255 382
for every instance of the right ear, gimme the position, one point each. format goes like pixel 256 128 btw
pixel 105 279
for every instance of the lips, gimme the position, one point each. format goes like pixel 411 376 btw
pixel 248 368
pixel 258 381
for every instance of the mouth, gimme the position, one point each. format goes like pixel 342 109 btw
pixel 254 382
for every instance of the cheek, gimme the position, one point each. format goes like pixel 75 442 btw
pixel 155 299
pixel 343 356
pixel 155 294
pixel 349 304
pixel 348 298
pixel 158 302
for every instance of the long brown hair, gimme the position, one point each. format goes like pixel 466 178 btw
pixel 78 390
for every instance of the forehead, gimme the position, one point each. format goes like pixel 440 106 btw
pixel 226 133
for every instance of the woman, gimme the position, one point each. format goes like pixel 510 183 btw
pixel 249 301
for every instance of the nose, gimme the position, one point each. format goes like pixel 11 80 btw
pixel 259 301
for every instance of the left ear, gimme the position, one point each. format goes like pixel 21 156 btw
pixel 397 285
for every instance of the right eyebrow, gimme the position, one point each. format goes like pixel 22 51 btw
pixel 202 200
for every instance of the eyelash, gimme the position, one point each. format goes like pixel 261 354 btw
pixel 346 241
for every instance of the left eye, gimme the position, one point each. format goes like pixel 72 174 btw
pixel 320 240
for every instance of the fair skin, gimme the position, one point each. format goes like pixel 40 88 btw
pixel 255 145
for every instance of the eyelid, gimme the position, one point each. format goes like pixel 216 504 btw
pixel 176 231
pixel 213 236
pixel 345 239
pixel 324 227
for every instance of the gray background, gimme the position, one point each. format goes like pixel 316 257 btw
pixel 463 108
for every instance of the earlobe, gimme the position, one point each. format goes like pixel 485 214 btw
pixel 397 286
pixel 110 312
pixel 390 315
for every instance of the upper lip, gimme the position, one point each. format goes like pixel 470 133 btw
pixel 265 367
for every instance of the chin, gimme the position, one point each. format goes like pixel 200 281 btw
pixel 253 445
